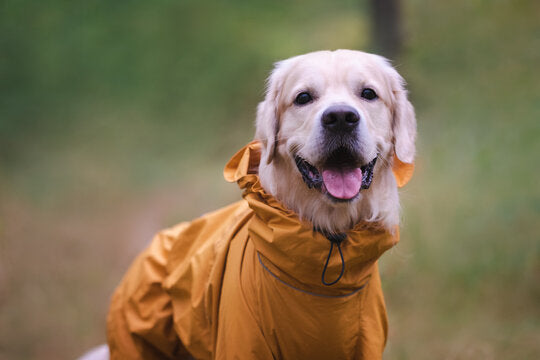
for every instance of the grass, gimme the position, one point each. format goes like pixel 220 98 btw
pixel 113 122
pixel 464 282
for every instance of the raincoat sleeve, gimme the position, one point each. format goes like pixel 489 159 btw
pixel 140 322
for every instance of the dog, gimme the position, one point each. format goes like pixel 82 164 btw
pixel 336 113
pixel 290 271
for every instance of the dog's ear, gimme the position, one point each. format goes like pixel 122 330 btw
pixel 267 129
pixel 404 119
pixel 268 122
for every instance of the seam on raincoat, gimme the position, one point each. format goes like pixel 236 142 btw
pixel 304 291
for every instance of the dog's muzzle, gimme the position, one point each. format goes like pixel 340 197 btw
pixel 339 179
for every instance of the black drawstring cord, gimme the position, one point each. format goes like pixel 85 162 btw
pixel 334 239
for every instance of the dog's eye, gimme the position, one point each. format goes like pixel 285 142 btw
pixel 369 94
pixel 303 98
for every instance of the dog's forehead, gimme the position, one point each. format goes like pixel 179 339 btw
pixel 321 69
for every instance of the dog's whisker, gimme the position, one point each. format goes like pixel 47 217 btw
pixel 383 160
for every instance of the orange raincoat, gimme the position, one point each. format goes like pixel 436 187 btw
pixel 244 282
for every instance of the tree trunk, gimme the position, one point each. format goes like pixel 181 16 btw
pixel 387 33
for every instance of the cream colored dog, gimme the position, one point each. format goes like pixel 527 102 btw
pixel 331 123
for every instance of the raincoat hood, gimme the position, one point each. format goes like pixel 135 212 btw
pixel 244 282
pixel 282 238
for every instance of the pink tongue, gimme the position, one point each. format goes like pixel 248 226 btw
pixel 343 183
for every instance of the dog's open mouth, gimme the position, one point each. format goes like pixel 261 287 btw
pixel 340 177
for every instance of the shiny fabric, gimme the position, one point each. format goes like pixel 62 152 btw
pixel 244 282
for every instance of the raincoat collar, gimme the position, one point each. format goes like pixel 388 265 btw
pixel 291 249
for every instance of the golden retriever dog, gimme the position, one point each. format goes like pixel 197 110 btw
pixel 333 133
pixel 337 118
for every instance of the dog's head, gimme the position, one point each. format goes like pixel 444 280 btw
pixel 330 125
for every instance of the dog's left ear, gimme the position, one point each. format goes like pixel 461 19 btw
pixel 404 119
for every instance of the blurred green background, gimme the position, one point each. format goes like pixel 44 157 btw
pixel 116 119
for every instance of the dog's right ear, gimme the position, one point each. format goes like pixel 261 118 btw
pixel 267 129
pixel 268 122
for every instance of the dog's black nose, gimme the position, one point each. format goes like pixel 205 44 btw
pixel 340 118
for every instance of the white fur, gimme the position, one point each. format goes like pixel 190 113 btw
pixel 387 127
pixel 98 353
